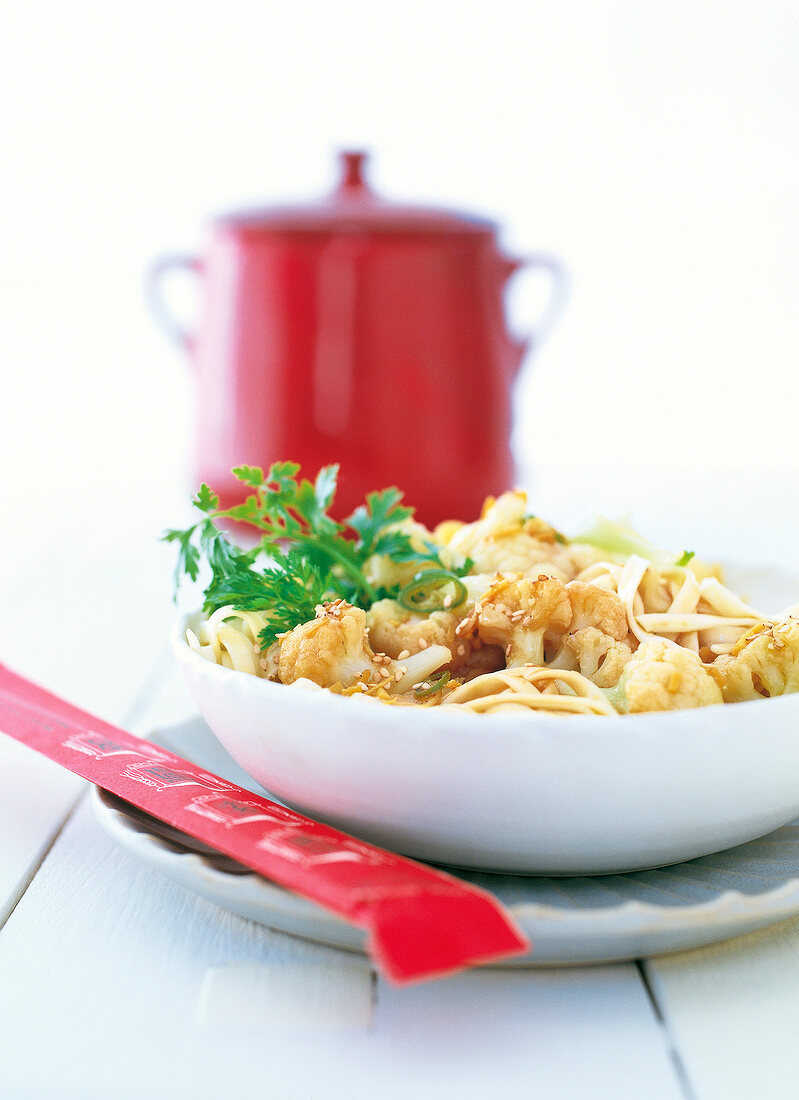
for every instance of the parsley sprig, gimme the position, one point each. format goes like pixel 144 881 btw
pixel 303 557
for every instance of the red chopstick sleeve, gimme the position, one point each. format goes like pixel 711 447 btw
pixel 421 922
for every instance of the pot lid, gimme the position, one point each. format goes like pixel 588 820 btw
pixel 353 206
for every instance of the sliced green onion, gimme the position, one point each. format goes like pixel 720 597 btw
pixel 686 557
pixel 433 686
pixel 432 590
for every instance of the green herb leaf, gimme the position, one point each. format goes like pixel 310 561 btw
pixel 686 557
pixel 250 475
pixel 312 558
pixel 369 521
pixel 206 499
pixel 188 555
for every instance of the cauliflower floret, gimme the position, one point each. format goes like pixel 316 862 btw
pixel 597 656
pixel 662 675
pixel 763 663
pixel 595 644
pixel 402 634
pixel 593 606
pixel 382 571
pixel 517 613
pixel 394 630
pixel 505 540
pixel 526 616
pixel 332 648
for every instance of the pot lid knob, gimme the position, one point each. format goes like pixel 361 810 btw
pixel 351 163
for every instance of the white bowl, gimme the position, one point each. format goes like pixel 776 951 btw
pixel 531 794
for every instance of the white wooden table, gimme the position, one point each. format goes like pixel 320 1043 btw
pixel 115 982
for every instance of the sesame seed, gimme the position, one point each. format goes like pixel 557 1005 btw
pixel 263 663
pixel 385 673
pixel 447 601
pixel 461 650
pixel 423 643
pixel 405 653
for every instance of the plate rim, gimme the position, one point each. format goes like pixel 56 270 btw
pixel 731 913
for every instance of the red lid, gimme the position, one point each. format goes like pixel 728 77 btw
pixel 354 207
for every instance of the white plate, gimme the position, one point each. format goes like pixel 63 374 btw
pixel 535 794
pixel 569 920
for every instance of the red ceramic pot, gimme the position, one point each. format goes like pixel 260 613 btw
pixel 361 332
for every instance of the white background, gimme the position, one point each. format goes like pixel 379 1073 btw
pixel 654 147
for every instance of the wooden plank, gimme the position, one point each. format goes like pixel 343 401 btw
pixel 116 971
pixel 56 631
pixel 557 1033
pixel 732 1010
pixel 35 798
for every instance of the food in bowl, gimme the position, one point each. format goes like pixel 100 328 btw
pixel 502 614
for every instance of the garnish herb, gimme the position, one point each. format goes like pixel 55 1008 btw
pixel 685 558
pixel 303 557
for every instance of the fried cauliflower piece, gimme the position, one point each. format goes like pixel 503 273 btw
pixel 597 656
pixel 527 617
pixel 662 675
pixel 595 607
pixel 403 634
pixel 506 540
pixel 394 630
pixel 518 613
pixel 331 649
pixel 763 663
pixel 595 644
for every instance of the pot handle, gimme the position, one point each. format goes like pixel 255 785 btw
pixel 156 301
pixel 558 296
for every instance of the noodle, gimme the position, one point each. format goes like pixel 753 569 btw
pixel 556 632
pixel 519 686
